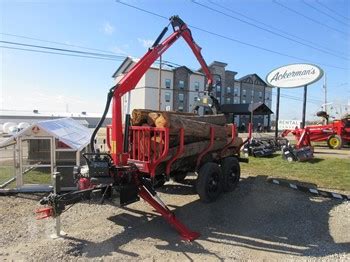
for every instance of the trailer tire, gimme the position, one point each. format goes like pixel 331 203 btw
pixel 179 176
pixel 231 172
pixel 209 182
pixel 159 181
pixel 335 142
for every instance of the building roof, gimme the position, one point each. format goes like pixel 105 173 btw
pixel 246 109
pixel 129 62
pixel 252 75
pixel 188 70
pixel 217 63
pixel 28 113
pixel 66 130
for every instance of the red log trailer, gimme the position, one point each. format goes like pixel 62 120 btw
pixel 125 175
pixel 336 134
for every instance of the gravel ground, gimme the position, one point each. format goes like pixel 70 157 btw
pixel 258 221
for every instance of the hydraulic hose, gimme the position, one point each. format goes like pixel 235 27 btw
pixel 99 124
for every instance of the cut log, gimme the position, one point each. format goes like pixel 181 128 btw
pixel 219 120
pixel 191 127
pixel 140 116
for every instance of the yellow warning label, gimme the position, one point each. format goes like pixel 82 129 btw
pixel 205 100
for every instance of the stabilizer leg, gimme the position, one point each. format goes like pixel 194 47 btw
pixel 161 208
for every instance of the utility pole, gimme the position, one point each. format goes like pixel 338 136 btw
pixel 304 107
pixel 277 111
pixel 325 92
pixel 251 103
pixel 160 84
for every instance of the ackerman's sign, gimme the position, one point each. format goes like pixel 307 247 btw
pixel 294 75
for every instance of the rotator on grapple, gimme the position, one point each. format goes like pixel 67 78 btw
pixel 114 177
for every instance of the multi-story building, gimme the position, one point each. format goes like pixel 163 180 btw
pixel 254 90
pixel 188 85
pixel 245 90
pixel 181 87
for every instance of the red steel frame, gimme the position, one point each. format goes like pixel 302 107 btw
pixel 153 152
pixel 233 138
pixel 319 133
pixel 129 81
pixel 178 153
pixel 207 149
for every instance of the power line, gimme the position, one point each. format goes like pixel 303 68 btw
pixel 56 53
pixel 309 18
pixel 79 46
pixel 275 28
pixel 58 43
pixel 232 39
pixel 297 99
pixel 267 30
pixel 324 13
pixel 89 54
pixel 332 10
pixel 62 50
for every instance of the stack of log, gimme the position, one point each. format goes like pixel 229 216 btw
pixel 196 128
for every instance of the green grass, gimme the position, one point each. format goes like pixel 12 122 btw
pixel 32 177
pixel 331 173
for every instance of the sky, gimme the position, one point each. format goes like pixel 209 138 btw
pixel 49 82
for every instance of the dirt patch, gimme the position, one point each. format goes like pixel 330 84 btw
pixel 258 221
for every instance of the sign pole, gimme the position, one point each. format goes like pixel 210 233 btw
pixel 277 111
pixel 304 107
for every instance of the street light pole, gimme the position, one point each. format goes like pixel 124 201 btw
pixel 160 84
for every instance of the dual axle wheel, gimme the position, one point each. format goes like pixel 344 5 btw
pixel 212 179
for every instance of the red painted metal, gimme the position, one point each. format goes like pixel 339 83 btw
pixel 207 149
pixel 145 152
pixel 129 81
pixel 184 232
pixel 44 212
pixel 320 133
pixel 178 153
pixel 230 143
pixel 304 139
pixel 84 183
pixel 108 136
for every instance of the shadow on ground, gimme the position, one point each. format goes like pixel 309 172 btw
pixel 257 215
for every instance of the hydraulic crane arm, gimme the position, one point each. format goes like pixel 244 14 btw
pixel 130 80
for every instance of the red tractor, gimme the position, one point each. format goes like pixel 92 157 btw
pixel 336 133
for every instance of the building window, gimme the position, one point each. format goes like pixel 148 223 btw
pixel 167 83
pixel 196 86
pixel 243 101
pixel 228 100
pixel 219 99
pixel 195 99
pixel 218 88
pixel 181 108
pixel 260 94
pixel 228 90
pixel 252 93
pixel 244 92
pixel 181 97
pixel 236 100
pixel 181 84
pixel 167 96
